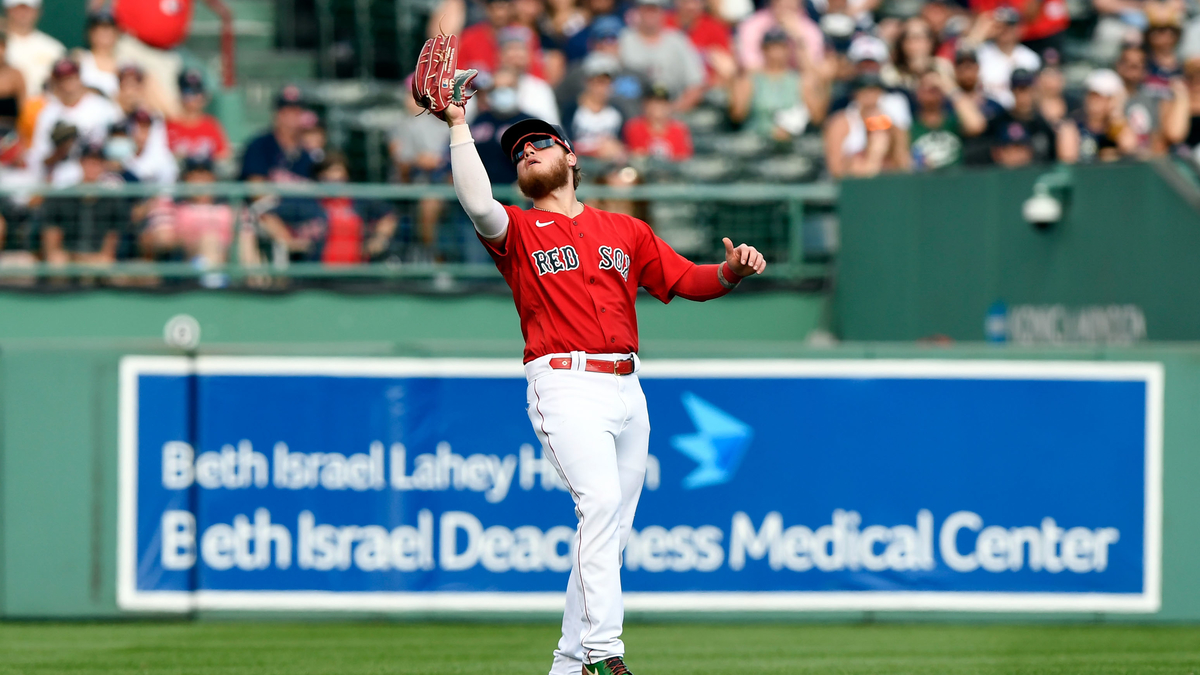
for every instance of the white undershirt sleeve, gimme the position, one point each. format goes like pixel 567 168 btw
pixel 473 187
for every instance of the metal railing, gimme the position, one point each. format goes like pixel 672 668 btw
pixel 431 242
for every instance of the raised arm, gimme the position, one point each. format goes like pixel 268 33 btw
pixel 471 182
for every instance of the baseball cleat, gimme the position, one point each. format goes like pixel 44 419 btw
pixel 613 666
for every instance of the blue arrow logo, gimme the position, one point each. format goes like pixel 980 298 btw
pixel 717 446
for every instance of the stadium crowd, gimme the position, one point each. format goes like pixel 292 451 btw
pixel 634 82
pixel 950 82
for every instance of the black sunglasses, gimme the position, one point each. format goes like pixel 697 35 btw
pixel 540 144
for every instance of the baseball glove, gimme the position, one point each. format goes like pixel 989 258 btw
pixel 437 82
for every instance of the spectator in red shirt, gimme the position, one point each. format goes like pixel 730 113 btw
pixel 195 133
pixel 1043 22
pixel 356 230
pixel 710 37
pixel 656 133
pixel 479 48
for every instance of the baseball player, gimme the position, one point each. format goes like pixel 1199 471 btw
pixel 574 272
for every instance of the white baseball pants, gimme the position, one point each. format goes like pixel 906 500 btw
pixel 595 429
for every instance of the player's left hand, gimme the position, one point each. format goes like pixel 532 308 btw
pixel 744 260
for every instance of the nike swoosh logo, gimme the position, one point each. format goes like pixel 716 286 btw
pixel 541 224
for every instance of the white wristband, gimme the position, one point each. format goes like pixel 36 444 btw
pixel 460 134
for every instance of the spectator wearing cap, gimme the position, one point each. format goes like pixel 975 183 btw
pixel 595 125
pixel 151 32
pixel 966 76
pixel 198 227
pixel 788 15
pixel 73 103
pixel 628 86
pixel 30 50
pixel 535 94
pixel 711 39
pixel 1146 109
pixel 356 230
pixel 663 55
pixel 1040 136
pixel 1012 147
pixel 580 44
pixel 12 91
pixel 195 133
pixel 548 53
pixel 1003 53
pixel 778 101
pixel 862 140
pixel 277 155
pixel 98 63
pixel 1098 131
pixel 1163 31
pixel 479 46
pixel 85 230
pixel 61 166
pixel 138 90
pixel 944 118
pixel 152 161
pixel 656 133
pixel 1043 22
pixel 868 55
pixel 498 109
pixel 335 230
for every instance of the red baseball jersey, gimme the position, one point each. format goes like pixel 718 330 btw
pixel 574 280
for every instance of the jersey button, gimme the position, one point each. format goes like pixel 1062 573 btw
pixel 581 235
pixel 603 310
pixel 612 339
pixel 592 280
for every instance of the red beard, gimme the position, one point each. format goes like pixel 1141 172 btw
pixel 541 184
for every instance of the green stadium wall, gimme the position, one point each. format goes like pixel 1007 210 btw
pixel 925 255
pixel 58 408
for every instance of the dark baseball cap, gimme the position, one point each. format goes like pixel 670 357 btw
pixel 965 54
pixel 658 92
pixel 140 116
pixel 774 36
pixel 1007 15
pixel 606 28
pixel 1012 134
pixel 92 151
pixel 196 163
pixel 532 129
pixel 101 18
pixel 867 79
pixel 128 69
pixel 1022 78
pixel 63 132
pixel 289 97
pixel 64 68
pixel 191 82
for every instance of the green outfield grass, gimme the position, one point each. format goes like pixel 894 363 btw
pixel 237 648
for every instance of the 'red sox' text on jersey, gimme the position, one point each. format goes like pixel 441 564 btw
pixel 574 280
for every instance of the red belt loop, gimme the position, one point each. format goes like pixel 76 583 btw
pixel 623 367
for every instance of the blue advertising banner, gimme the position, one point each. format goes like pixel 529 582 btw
pixel 418 484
